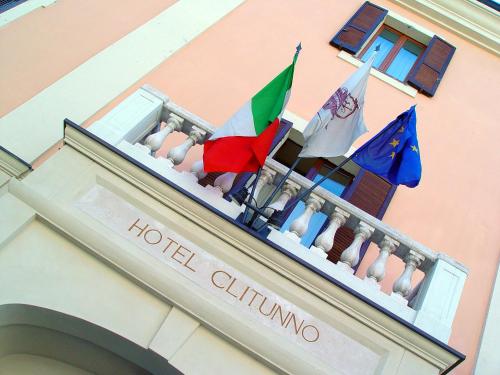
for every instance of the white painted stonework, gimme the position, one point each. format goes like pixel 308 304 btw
pixel 23 9
pixel 291 242
pixel 251 299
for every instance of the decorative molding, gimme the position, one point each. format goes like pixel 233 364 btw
pixel 469 19
pixel 23 9
pixel 12 165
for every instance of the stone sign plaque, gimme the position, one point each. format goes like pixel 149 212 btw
pixel 254 301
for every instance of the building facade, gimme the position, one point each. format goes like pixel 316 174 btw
pixel 118 254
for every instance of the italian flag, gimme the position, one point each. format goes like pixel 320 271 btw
pixel 243 143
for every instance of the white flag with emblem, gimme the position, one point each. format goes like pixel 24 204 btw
pixel 336 126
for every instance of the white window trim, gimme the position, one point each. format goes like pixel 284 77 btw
pixel 408 90
pixel 409 28
pixel 405 26
pixel 23 9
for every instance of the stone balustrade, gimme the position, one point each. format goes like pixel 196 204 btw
pixel 139 127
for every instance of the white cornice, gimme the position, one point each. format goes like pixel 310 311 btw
pixel 467 18
pixel 12 165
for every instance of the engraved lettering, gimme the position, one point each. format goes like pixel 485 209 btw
pixel 170 243
pixel 244 292
pixel 278 308
pixel 152 236
pixel 229 287
pixel 138 227
pixel 217 273
pixel 297 329
pixel 254 296
pixel 270 310
pixel 312 337
pixel 189 260
pixel 182 254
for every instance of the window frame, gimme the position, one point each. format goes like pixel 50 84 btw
pixel 386 63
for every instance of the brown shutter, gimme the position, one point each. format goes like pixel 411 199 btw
pixel 359 28
pixel 428 72
pixel 370 193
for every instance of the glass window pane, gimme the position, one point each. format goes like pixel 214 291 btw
pixel 404 60
pixel 318 219
pixel 315 224
pixel 332 186
pixel 386 39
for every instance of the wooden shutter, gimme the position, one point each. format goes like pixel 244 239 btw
pixel 370 193
pixel 359 28
pixel 428 72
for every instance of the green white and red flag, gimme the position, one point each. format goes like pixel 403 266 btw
pixel 243 143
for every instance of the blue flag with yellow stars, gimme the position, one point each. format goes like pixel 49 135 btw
pixel 393 153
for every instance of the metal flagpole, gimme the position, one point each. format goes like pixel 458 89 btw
pixel 273 194
pixel 249 203
pixel 309 190
pixel 316 184
pixel 257 210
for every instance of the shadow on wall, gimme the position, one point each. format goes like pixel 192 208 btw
pixel 38 340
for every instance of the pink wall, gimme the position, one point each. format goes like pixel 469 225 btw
pixel 455 210
pixel 40 55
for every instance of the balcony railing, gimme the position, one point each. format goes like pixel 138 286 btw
pixel 140 126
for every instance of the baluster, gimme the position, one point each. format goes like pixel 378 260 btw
pixel 376 271
pixel 301 224
pixel 402 286
pixel 266 177
pixel 290 189
pixel 177 154
pixel 324 241
pixel 350 256
pixel 225 181
pixel 155 141
pixel 197 170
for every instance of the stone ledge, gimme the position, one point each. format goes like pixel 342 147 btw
pixel 469 19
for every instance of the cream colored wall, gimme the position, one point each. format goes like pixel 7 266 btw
pixel 131 293
pixel 488 361
pixel 26 364
pixel 30 349
pixel 48 43
pixel 455 209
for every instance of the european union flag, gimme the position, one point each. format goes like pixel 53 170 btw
pixel 393 153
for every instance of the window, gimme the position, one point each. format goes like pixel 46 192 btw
pixel 398 53
pixel 421 65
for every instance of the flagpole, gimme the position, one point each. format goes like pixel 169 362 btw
pixel 257 210
pixel 252 192
pixel 329 174
pixel 273 194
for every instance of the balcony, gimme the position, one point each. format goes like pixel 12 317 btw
pixel 138 127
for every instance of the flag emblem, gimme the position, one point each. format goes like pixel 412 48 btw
pixel 341 104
